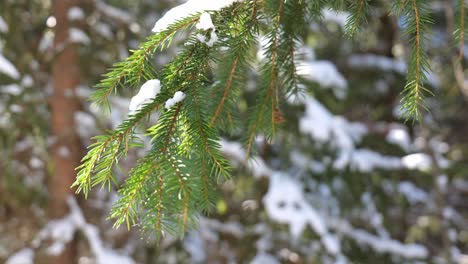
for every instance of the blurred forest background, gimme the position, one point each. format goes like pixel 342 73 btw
pixel 346 180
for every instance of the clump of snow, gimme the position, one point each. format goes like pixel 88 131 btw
pixel 24 256
pixel 8 68
pixel 324 73
pixel 178 96
pixel 205 23
pixel 75 13
pixel 189 8
pixel 209 43
pixel 417 161
pixel 3 26
pixel 78 36
pixel 372 61
pixel 148 91
pixel 399 136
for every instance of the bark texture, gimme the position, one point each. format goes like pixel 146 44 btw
pixel 66 152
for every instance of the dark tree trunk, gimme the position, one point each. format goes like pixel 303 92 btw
pixel 66 152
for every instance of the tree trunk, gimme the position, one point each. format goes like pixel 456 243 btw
pixel 66 152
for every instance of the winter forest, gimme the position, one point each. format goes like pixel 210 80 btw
pixel 233 131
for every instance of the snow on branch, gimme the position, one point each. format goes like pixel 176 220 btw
pixel 189 8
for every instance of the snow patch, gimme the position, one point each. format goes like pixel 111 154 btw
pixel 284 203
pixel 343 133
pixel 148 91
pixel 3 26
pixel 178 97
pixel 47 41
pixel 12 89
pixel 8 68
pixel 325 74
pixel 75 13
pixel 61 231
pixel 380 244
pixel 78 36
pixel 205 23
pixel 189 8
pixel 24 256
pixel 372 61
pixel 256 165
pixel 417 161
pixel 264 258
pixel 399 136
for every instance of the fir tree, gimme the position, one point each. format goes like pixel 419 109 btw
pixel 174 182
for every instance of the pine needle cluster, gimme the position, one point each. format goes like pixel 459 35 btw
pixel 175 182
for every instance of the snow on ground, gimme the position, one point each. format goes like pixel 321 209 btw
pixel 189 8
pixel 6 67
pixel 148 91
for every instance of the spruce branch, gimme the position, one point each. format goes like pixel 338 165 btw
pixel 460 28
pixel 356 17
pixel 267 92
pixel 132 70
pixel 416 20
